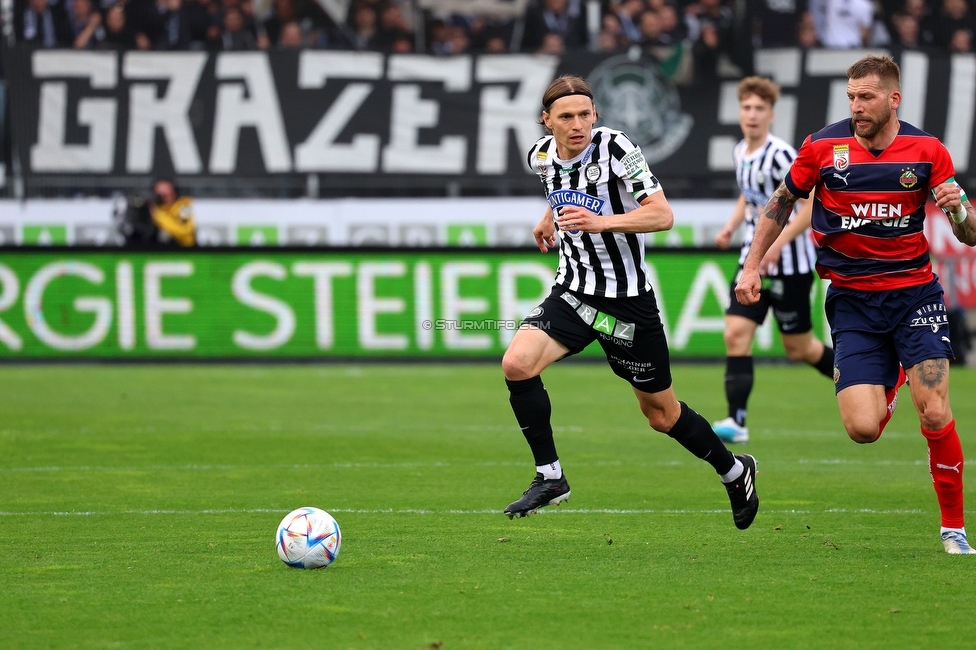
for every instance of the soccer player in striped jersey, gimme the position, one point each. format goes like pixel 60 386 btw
pixel 761 163
pixel 872 176
pixel 602 198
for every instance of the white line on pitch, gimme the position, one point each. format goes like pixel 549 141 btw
pixel 390 511
pixel 226 467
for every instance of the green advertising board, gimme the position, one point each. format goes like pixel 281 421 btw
pixel 319 303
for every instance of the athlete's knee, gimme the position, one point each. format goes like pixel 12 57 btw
pixel 518 364
pixel 796 353
pixel 660 418
pixel 863 430
pixel 933 414
pixel 866 435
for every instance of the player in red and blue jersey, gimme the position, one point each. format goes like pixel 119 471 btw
pixel 872 175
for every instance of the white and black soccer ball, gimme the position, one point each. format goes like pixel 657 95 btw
pixel 308 538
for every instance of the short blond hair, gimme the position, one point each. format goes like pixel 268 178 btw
pixel 765 89
pixel 882 65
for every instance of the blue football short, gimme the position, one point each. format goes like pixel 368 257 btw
pixel 874 331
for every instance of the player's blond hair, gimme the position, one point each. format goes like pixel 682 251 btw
pixel 881 65
pixel 763 88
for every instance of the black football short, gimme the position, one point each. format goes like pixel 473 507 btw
pixel 787 295
pixel 629 331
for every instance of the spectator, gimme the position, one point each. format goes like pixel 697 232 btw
pixel 779 22
pixel 952 16
pixel 291 36
pixel 393 26
pixel 235 36
pixel 611 36
pixel 439 38
pixel 907 31
pixel 806 31
pixel 86 23
pixel 552 43
pixel 118 34
pixel 847 23
pixel 365 35
pixel 553 17
pixel 710 25
pixel 458 41
pixel 961 41
pixel 650 27
pixel 628 13
pixel 183 24
pixel 673 30
pixel 496 45
pixel 42 23
pixel 282 13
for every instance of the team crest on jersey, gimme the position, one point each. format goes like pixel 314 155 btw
pixel 842 156
pixel 632 95
pixel 908 179
pixel 541 158
pixel 592 172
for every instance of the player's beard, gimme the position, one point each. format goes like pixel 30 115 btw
pixel 869 132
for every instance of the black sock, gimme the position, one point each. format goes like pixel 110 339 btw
pixel 530 401
pixel 826 363
pixel 738 386
pixel 693 432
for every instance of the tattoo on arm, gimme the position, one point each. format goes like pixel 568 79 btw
pixel 965 232
pixel 780 205
pixel 933 372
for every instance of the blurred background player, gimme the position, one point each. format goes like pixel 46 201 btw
pixel 602 198
pixel 761 163
pixel 873 174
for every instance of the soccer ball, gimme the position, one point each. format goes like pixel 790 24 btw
pixel 308 538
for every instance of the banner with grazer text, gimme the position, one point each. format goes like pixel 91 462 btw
pixel 409 123
pixel 320 304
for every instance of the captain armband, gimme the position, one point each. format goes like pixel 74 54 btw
pixel 957 217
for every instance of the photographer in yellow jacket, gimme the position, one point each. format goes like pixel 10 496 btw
pixel 173 214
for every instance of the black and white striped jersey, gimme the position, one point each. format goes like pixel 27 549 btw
pixel 609 177
pixel 759 174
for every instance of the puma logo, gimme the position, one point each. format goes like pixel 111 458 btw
pixel 954 468
pixel 843 178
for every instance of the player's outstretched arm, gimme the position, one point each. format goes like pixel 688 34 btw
pixel 796 227
pixel 724 237
pixel 771 223
pixel 653 215
pixel 545 232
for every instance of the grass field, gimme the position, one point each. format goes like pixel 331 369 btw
pixel 138 506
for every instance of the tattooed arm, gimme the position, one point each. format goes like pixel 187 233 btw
pixel 771 223
pixel 948 197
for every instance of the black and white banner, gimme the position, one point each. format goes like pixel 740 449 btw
pixel 414 121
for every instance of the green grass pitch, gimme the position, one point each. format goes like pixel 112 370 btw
pixel 138 506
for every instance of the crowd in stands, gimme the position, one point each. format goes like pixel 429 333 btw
pixel 708 30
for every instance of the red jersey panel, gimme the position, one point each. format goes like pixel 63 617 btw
pixel 869 206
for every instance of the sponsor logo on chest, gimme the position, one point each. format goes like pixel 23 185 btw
pixel 562 198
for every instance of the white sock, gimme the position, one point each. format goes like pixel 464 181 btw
pixel 943 529
pixel 735 472
pixel 550 471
